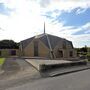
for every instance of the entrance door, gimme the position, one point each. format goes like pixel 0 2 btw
pixel 59 54
pixel 13 52
pixel 35 48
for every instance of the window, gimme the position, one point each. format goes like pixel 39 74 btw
pixel 64 44
pixel 35 48
pixel 71 54
pixel 13 52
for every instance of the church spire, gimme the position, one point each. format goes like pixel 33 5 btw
pixel 44 27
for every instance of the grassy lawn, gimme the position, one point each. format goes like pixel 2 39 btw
pixel 2 60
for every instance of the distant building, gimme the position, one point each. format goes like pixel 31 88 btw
pixel 47 46
pixel 9 52
pixel 9 48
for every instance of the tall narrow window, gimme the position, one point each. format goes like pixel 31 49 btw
pixel 36 48
pixel 71 54
pixel 13 52
pixel 64 44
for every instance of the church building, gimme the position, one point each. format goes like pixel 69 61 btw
pixel 47 46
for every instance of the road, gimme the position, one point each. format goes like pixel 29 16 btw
pixel 72 81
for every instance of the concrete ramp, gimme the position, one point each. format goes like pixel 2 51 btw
pixel 57 67
pixel 44 65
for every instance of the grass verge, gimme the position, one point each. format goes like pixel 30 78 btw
pixel 2 61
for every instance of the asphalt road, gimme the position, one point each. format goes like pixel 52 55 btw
pixel 73 81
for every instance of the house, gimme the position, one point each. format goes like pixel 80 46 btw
pixel 9 52
pixel 9 48
pixel 47 46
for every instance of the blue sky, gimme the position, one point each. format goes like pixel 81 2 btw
pixel 74 19
pixel 4 10
pixel 70 19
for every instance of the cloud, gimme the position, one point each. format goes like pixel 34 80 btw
pixel 79 40
pixel 80 10
pixel 86 26
pixel 44 3
pixel 28 17
pixel 56 7
pixel 5 10
pixel 23 23
pixel 85 29
pixel 69 5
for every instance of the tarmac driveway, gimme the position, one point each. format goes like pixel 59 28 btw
pixel 16 72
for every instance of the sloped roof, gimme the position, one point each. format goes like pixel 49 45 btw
pixel 26 42
pixel 52 39
pixel 43 37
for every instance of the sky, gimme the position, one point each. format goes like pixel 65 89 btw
pixel 69 19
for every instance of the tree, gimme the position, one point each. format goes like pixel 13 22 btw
pixel 8 44
pixel 84 49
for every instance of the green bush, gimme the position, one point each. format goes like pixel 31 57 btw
pixel 88 56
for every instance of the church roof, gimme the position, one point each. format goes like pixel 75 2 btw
pixel 46 39
pixel 52 39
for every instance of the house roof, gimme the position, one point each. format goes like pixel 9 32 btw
pixel 46 39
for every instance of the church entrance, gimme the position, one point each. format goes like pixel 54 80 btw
pixel 36 48
pixel 59 54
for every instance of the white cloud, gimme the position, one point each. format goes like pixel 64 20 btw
pixel 86 26
pixel 56 7
pixel 81 40
pixel 44 3
pixel 79 11
pixel 23 23
pixel 68 31
pixel 67 5
pixel 26 19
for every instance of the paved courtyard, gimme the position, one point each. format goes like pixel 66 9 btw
pixel 36 63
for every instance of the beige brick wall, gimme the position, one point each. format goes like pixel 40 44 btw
pixel 7 52
pixel 66 52
pixel 29 50
pixel 43 51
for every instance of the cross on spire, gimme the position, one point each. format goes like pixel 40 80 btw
pixel 44 27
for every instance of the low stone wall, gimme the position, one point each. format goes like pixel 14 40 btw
pixel 45 67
